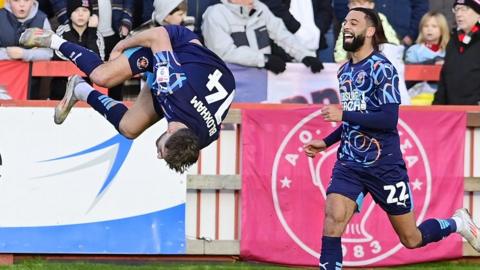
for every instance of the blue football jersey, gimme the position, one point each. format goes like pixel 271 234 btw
pixel 202 91
pixel 364 87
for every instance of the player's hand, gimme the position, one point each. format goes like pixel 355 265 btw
pixel 313 63
pixel 117 50
pixel 15 52
pixel 313 147
pixel 331 113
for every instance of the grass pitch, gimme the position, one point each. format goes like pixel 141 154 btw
pixel 48 265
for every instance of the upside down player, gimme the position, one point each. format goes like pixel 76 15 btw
pixel 190 86
pixel 370 101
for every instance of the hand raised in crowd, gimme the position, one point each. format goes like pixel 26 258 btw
pixel 313 147
pixel 407 40
pixel 15 52
pixel 313 63
pixel 124 31
pixel 275 64
pixel 93 21
pixel 331 113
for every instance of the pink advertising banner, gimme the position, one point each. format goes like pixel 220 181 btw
pixel 283 192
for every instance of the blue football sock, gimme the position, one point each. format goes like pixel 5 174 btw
pixel 85 59
pixel 107 107
pixel 434 230
pixel 331 254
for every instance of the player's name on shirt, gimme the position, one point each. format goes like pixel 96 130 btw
pixel 205 114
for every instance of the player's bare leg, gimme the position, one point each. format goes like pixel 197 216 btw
pixel 338 212
pixel 406 229
pixel 112 73
pixel 140 116
pixel 433 230
pixel 107 74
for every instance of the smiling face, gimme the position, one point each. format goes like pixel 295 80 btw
pixel 355 31
pixel 21 8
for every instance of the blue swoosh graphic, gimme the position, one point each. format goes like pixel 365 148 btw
pixel 124 146
pixel 159 232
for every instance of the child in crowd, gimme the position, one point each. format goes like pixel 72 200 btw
pixel 431 42
pixel 77 31
pixel 170 12
pixel 429 49
pixel 340 54
pixel 15 17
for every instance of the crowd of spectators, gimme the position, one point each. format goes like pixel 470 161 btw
pixel 265 33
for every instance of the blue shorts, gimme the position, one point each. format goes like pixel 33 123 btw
pixel 140 59
pixel 388 185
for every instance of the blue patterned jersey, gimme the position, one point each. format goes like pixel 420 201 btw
pixel 364 87
pixel 192 85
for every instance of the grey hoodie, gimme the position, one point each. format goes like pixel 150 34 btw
pixel 242 37
pixel 28 54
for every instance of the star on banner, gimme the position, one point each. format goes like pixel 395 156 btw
pixel 285 182
pixel 417 185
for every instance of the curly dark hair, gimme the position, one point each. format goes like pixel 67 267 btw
pixel 373 20
pixel 183 149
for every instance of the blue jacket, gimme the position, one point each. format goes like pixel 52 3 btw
pixel 122 11
pixel 403 15
pixel 12 28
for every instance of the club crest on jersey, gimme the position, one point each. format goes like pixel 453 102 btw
pixel 142 63
pixel 361 77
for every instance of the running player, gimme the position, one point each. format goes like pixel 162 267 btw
pixel 190 86
pixel 369 156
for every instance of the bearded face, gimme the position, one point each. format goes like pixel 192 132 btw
pixel 353 42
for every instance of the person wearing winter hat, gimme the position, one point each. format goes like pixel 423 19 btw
pixel 459 84
pixel 72 6
pixel 77 31
pixel 170 12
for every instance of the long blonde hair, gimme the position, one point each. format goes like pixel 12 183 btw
pixel 442 23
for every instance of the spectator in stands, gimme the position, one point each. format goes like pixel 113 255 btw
pixel 340 54
pixel 59 7
pixel 309 27
pixel 404 16
pixel 444 7
pixel 431 42
pixel 170 12
pixel 239 32
pixel 77 31
pixel 196 8
pixel 14 19
pixel 459 83
pixel 429 49
pixel 114 23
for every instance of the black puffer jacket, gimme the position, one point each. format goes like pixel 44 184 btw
pixel 460 77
